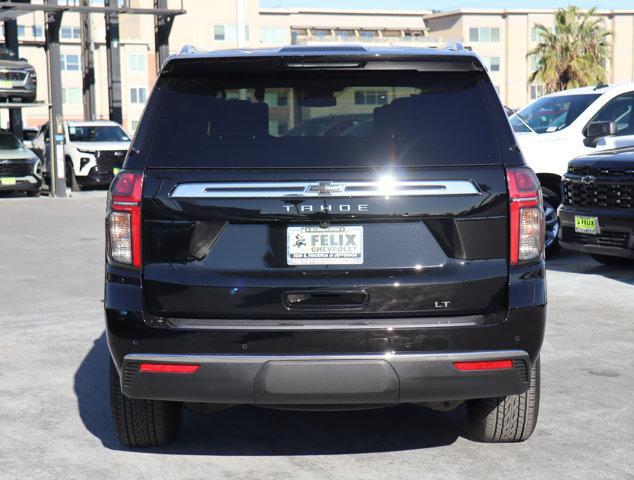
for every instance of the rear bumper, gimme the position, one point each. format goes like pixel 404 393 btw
pixel 326 362
pixel 293 380
pixel 615 239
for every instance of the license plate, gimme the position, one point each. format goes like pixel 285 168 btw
pixel 7 180
pixel 6 84
pixel 587 225
pixel 334 245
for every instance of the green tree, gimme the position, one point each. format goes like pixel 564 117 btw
pixel 574 54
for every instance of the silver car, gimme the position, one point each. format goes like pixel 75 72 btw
pixel 18 80
pixel 20 168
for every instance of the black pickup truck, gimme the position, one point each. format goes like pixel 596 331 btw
pixel 401 262
pixel 597 211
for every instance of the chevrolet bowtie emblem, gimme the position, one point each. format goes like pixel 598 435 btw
pixel 325 188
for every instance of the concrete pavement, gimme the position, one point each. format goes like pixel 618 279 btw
pixel 55 420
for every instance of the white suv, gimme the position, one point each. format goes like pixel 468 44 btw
pixel 93 151
pixel 558 127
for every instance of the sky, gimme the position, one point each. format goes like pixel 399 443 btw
pixel 447 4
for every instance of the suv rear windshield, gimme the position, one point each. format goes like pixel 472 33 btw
pixel 324 119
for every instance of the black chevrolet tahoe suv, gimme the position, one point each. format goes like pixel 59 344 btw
pixel 597 211
pixel 399 260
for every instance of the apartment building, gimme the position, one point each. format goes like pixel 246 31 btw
pixel 502 38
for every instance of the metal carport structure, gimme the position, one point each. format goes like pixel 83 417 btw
pixel 9 13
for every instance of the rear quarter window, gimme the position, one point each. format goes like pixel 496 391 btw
pixel 323 119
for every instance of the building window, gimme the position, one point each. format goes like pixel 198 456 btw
pixel 536 91
pixel 70 63
pixel 21 31
pixel 538 35
pixel 491 63
pixel 138 94
pixel 274 35
pixel 533 63
pixel 276 99
pixel 368 33
pixel 70 32
pixel 370 97
pixel 320 32
pixel 229 33
pixel 38 31
pixel 136 62
pixel 484 34
pixel 277 127
pixel 219 32
pixel 344 33
pixel 299 31
pixel 71 95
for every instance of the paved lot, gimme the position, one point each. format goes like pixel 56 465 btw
pixel 55 419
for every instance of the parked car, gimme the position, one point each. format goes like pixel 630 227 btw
pixel 93 151
pixel 18 80
pixel 558 127
pixel 20 168
pixel 403 265
pixel 28 134
pixel 597 212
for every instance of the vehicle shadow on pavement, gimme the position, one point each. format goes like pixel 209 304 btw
pixel 257 431
pixel 573 262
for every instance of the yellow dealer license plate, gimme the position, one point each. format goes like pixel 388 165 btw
pixel 7 180
pixel 6 84
pixel 588 225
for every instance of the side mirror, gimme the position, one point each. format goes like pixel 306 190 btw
pixel 598 130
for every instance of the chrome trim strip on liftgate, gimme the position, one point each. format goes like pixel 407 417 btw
pixel 324 189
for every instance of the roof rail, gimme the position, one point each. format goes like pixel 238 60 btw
pixel 189 49
pixel 600 85
pixel 455 46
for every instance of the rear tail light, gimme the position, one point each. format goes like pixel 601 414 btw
pixel 527 215
pixel 168 368
pixel 484 365
pixel 123 221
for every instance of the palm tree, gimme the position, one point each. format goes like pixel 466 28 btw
pixel 574 53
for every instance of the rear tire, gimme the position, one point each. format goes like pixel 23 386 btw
pixel 613 261
pixel 142 423
pixel 551 202
pixel 506 419
pixel 34 193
